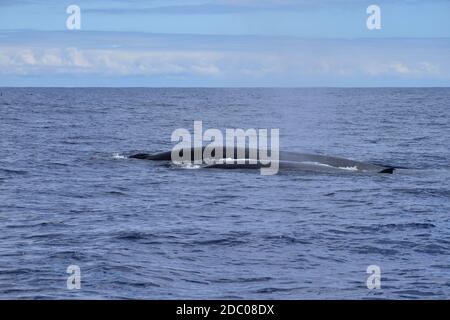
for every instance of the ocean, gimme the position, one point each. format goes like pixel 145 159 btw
pixel 143 230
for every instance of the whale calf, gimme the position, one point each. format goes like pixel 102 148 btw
pixel 243 158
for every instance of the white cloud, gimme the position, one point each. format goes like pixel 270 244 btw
pixel 255 59
pixel 72 60
pixel 398 68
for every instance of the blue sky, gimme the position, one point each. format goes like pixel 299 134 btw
pixel 225 43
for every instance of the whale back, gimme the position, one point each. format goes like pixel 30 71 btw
pixel 290 160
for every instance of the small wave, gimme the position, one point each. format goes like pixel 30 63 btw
pixel 228 241
pixel 392 227
pixel 116 193
pixel 274 290
pixel 134 235
pixel 118 156
pixel 367 249
pixel 354 168
pixel 189 166
pixel 144 236
pixel 317 164
pixel 18 172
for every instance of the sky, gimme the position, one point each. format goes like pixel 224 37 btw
pixel 225 43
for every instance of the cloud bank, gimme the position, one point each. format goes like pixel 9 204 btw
pixel 286 61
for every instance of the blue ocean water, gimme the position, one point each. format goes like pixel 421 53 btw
pixel 138 229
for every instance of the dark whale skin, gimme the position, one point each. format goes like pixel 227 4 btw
pixel 292 160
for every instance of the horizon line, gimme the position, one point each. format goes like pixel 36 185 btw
pixel 225 87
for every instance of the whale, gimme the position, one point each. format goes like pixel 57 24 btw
pixel 243 158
